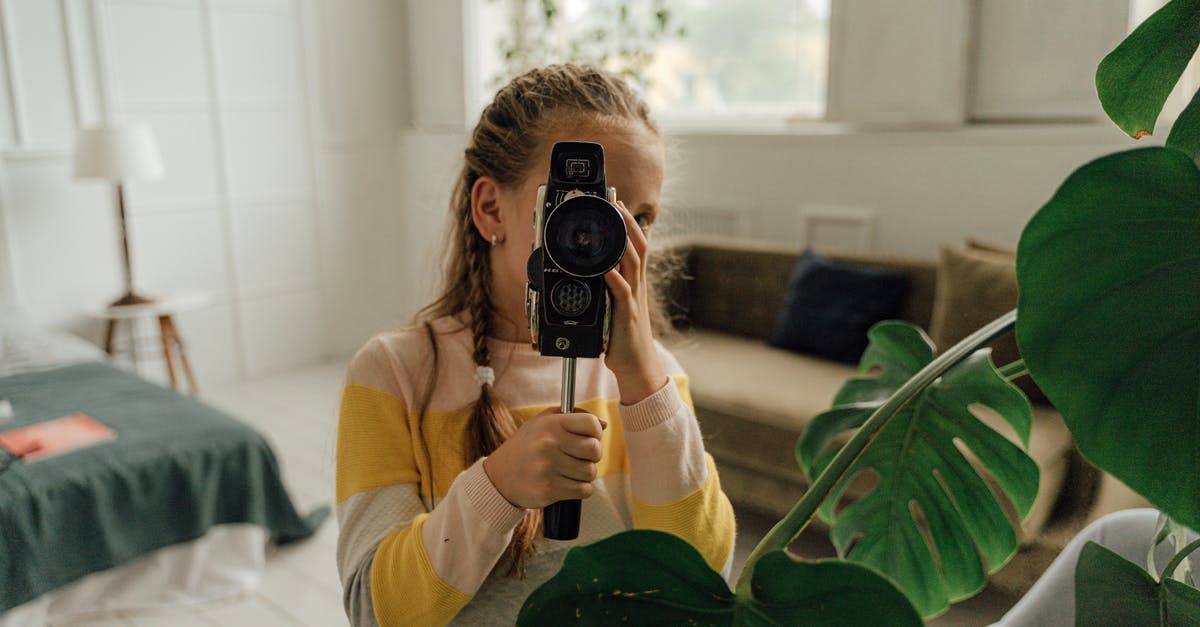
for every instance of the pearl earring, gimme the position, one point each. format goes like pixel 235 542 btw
pixel 493 239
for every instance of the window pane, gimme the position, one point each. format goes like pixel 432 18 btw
pixel 713 59
pixel 753 56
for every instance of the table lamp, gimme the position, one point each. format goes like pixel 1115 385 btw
pixel 119 154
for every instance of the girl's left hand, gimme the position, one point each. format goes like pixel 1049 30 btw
pixel 631 354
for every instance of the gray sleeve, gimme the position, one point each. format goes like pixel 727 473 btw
pixel 356 595
pixel 364 520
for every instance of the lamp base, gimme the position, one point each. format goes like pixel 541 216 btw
pixel 131 298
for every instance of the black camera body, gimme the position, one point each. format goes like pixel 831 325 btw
pixel 579 235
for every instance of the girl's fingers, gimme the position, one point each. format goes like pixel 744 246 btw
pixel 633 228
pixel 576 489
pixel 636 235
pixel 583 424
pixel 621 291
pixel 631 264
pixel 578 470
pixel 583 448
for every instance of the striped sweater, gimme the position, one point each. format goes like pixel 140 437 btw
pixel 422 533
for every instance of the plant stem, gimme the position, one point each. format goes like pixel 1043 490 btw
pixel 1179 557
pixel 1014 370
pixel 788 529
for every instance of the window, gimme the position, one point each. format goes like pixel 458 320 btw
pixel 706 62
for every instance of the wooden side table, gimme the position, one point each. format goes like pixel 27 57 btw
pixel 163 309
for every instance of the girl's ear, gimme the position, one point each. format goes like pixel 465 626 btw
pixel 485 208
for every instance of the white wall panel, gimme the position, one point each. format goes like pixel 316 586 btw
pixel 363 294
pixel 257 58
pixel 431 161
pixel 281 331
pixel 179 251
pixel 65 241
pixel 41 72
pixel 1037 60
pixel 8 108
pixel 898 62
pixel 210 337
pixel 360 71
pixel 253 6
pixel 436 65
pixel 275 247
pixel 157 54
pixel 267 153
pixel 79 16
pixel 185 139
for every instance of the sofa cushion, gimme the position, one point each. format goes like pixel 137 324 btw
pixel 830 305
pixel 741 376
pixel 976 285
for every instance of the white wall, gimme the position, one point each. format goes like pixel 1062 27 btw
pixel 924 188
pixel 919 182
pixel 277 121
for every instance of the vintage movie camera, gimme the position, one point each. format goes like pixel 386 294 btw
pixel 579 235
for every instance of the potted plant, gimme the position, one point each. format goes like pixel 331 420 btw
pixel 1108 324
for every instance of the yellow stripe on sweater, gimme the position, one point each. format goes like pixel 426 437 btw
pixel 404 595
pixel 704 518
pixel 376 446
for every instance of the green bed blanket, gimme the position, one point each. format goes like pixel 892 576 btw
pixel 176 468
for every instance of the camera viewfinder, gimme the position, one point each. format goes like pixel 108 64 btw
pixel 576 168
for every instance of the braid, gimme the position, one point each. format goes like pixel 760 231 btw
pixel 491 421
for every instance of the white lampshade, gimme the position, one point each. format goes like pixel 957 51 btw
pixel 117 153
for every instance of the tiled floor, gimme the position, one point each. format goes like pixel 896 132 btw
pixel 297 413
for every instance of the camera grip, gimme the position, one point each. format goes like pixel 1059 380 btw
pixel 560 521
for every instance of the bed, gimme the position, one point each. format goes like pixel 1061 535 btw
pixel 176 509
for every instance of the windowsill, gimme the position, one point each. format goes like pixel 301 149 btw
pixel 777 131
pixel 780 130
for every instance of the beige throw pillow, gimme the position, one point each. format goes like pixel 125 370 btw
pixel 974 287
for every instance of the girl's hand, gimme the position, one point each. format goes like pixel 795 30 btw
pixel 552 457
pixel 631 355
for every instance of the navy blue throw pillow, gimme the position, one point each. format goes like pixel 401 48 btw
pixel 830 305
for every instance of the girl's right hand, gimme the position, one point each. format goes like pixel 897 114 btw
pixel 552 457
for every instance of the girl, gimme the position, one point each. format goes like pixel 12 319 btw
pixel 449 436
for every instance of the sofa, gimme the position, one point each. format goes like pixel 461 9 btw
pixel 753 400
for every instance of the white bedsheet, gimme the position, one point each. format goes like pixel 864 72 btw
pixel 226 562
pixel 24 347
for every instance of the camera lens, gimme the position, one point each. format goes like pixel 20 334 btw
pixel 585 236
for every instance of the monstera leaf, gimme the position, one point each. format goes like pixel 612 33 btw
pixel 1185 134
pixel 1111 590
pixel 925 483
pixel 1109 319
pixel 645 577
pixel 1134 80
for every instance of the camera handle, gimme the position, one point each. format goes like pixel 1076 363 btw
pixel 560 521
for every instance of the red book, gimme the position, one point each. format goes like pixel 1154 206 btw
pixel 44 439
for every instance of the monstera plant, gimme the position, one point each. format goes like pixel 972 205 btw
pixel 1108 323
